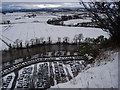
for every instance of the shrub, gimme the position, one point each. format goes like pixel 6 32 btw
pixel 86 48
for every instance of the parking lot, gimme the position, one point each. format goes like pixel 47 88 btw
pixel 37 60
pixel 39 75
pixel 8 80
pixel 45 71
pixel 59 71
pixel 24 78
pixel 43 76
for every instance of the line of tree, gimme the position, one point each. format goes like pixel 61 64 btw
pixel 32 47
pixel 41 41
pixel 59 21
pixel 77 40
pixel 5 22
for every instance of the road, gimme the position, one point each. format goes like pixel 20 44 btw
pixel 38 60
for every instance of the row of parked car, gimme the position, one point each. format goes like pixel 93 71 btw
pixel 43 76
pixel 58 53
pixel 37 60
pixel 12 68
pixel 24 78
pixel 7 82
pixel 59 72
pixel 76 67
pixel 30 61
pixel 8 70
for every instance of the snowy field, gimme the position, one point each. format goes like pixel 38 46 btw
pixel 75 21
pixel 103 76
pixel 25 28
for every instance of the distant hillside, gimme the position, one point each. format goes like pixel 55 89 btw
pixel 43 9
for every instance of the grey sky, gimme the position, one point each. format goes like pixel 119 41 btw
pixel 53 0
pixel 33 4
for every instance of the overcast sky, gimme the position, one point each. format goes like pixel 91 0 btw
pixel 34 4
pixel 40 0
pixel 53 0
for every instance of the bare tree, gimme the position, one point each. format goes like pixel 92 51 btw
pixel 59 43
pixel 65 39
pixel 49 40
pixel 80 37
pixel 32 41
pixel 27 44
pixel 37 41
pixel 17 42
pixel 21 45
pixel 107 16
pixel 75 39
pixel 41 39
pixel 59 40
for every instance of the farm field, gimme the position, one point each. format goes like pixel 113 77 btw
pixel 25 29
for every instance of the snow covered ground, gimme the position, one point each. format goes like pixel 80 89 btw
pixel 31 28
pixel 103 76
pixel 75 21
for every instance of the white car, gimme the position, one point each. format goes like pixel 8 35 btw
pixel 57 58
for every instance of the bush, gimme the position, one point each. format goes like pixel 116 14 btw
pixel 86 48
pixel 99 40
pixel 108 43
